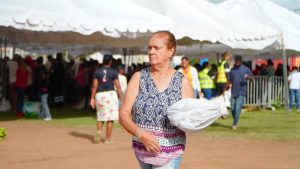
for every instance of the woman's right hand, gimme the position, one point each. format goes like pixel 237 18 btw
pixel 150 142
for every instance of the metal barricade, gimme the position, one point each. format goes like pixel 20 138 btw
pixel 265 91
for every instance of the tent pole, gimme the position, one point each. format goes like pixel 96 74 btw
pixel 125 59
pixel 14 50
pixel 286 88
pixel 5 47
pixel 0 47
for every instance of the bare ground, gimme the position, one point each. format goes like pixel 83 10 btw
pixel 43 146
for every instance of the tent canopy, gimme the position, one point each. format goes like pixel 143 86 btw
pixel 270 14
pixel 203 20
pixel 85 17
pixel 111 25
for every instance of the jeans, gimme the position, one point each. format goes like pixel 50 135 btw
pixel 173 164
pixel 45 113
pixel 236 108
pixel 294 93
pixel 20 99
pixel 13 97
pixel 207 93
pixel 196 94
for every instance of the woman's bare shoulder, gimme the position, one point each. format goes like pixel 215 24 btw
pixel 136 76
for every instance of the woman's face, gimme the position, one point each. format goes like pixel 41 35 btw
pixel 184 63
pixel 158 51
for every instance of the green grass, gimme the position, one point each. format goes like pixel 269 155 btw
pixel 64 116
pixel 256 125
pixel 259 125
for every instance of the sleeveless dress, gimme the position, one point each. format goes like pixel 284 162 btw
pixel 149 113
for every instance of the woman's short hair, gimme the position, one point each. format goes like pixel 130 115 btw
pixel 171 41
pixel 184 58
pixel 107 58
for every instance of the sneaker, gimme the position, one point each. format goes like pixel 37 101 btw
pixel 47 119
pixel 223 117
pixel 108 142
pixel 234 127
pixel 98 137
pixel 20 114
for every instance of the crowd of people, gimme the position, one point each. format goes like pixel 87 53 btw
pixel 53 82
pixel 57 82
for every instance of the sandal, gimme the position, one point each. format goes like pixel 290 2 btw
pixel 108 142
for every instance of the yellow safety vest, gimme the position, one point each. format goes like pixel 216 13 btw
pixel 221 78
pixel 205 80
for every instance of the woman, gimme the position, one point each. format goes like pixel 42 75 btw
pixel 21 85
pixel 104 98
pixel 192 75
pixel 156 143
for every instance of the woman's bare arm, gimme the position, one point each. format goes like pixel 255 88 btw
pixel 149 141
pixel 187 90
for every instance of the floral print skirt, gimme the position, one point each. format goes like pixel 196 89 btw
pixel 107 106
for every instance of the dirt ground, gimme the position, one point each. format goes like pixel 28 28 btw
pixel 44 146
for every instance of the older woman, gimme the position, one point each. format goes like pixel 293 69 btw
pixel 156 143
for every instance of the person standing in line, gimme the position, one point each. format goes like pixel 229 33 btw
pixel 122 79
pixel 58 76
pixel 294 87
pixel 21 85
pixel 104 98
pixel 206 81
pixel 41 82
pixel 223 72
pixel 269 70
pixel 12 66
pixel 192 75
pixel 238 77
pixel 157 144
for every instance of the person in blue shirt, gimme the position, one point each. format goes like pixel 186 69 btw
pixel 238 77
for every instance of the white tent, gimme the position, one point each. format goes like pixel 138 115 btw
pixel 268 13
pixel 203 20
pixel 55 26
pixel 123 18
pixel 86 17
pixel 135 19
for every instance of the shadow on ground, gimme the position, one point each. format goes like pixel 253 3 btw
pixel 82 135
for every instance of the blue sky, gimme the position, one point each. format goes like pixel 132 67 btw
pixel 293 5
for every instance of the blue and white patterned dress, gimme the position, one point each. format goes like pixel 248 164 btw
pixel 149 113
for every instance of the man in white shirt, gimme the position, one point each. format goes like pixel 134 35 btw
pixel 192 75
pixel 123 80
pixel 12 66
pixel 294 87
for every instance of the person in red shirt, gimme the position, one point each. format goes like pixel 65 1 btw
pixel 21 84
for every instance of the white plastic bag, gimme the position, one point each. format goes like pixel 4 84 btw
pixel 31 109
pixel 193 115
pixel 224 111
pixel 4 105
pixel 227 95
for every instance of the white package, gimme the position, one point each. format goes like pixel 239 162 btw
pixel 193 115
